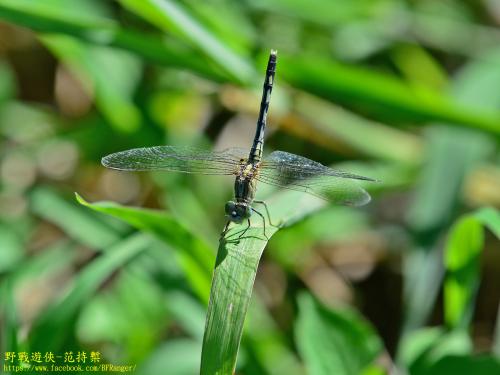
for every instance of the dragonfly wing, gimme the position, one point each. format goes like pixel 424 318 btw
pixel 179 159
pixel 295 172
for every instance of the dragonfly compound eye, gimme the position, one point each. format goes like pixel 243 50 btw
pixel 234 212
pixel 230 208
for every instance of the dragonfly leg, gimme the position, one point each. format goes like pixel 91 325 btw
pixel 267 212
pixel 224 231
pixel 246 229
pixel 263 221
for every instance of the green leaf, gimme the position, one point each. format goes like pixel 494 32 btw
pixel 267 343
pixel 416 344
pixel 334 341
pixel 235 269
pixel 55 324
pixel 478 83
pixel 131 297
pixel 76 222
pixel 9 317
pixel 113 75
pixel 175 357
pixel 462 261
pixel 228 20
pixel 83 13
pixel 188 312
pixel 53 18
pixel 333 124
pixel 194 255
pixel 232 283
pixel 171 17
pixel 465 365
pixel 451 155
pixel 11 249
pixel 490 218
pixel 328 13
pixel 422 349
pixel 381 93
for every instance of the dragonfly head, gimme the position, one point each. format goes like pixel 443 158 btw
pixel 237 212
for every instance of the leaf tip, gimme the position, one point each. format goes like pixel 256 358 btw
pixel 80 199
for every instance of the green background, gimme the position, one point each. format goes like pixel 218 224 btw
pixel 407 92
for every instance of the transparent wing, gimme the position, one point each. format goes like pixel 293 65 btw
pixel 295 172
pixel 179 159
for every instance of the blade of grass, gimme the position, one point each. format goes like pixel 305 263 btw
pixel 114 75
pixel 382 94
pixel 369 137
pixel 194 255
pixel 232 283
pixel 55 324
pixel 171 17
pixel 234 275
pixel 78 224
pixel 198 260
pixel 228 20
pixel 104 31
pixel 452 154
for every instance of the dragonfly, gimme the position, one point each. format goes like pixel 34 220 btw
pixel 279 168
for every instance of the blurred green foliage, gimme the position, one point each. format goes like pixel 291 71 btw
pixel 404 91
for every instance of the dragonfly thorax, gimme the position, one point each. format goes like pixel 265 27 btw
pixel 237 212
pixel 245 183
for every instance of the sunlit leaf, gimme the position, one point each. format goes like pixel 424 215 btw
pixel 334 341
pixel 194 255
pixel 51 18
pixel 462 261
pixel 171 17
pixel 381 93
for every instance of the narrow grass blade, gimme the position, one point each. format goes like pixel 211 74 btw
pixel 83 226
pixel 198 260
pixel 382 94
pixel 114 74
pixel 105 31
pixel 368 137
pixel 235 269
pixel 171 17
pixel 194 255
pixel 232 284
